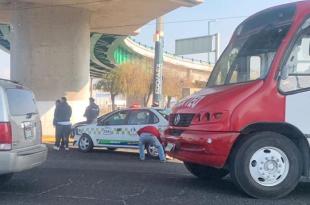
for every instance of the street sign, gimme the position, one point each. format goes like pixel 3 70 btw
pixel 158 63
pixel 202 44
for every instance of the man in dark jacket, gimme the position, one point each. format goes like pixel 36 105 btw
pixel 54 120
pixel 62 117
pixel 92 111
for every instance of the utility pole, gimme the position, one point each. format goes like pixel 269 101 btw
pixel 91 87
pixel 217 47
pixel 158 62
pixel 209 33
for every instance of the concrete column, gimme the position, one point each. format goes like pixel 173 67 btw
pixel 50 54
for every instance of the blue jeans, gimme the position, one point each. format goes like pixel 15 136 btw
pixel 148 139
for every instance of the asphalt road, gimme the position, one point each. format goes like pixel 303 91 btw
pixel 104 177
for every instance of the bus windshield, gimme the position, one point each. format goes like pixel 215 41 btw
pixel 253 47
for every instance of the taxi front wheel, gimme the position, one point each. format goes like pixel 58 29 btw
pixel 152 151
pixel 85 143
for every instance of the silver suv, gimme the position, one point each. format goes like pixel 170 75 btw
pixel 21 147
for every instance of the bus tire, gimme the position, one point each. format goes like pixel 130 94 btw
pixel 266 165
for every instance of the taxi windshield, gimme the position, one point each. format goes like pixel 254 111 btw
pixel 253 47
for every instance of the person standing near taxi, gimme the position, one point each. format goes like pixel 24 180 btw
pixel 150 135
pixel 63 114
pixel 92 111
pixel 55 115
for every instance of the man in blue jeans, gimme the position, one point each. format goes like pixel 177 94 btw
pixel 151 136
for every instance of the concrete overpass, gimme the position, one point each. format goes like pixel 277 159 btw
pixel 49 42
pixel 109 50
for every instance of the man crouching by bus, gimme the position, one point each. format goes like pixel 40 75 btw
pixel 150 135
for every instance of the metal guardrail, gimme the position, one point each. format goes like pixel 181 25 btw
pixel 172 55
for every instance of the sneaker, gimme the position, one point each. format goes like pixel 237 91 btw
pixel 56 148
pixel 163 161
pixel 67 148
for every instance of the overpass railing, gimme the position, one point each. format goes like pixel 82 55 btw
pixel 171 55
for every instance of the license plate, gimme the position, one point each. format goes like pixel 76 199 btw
pixel 169 147
pixel 28 130
pixel 28 133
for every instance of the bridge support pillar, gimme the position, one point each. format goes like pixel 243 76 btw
pixel 50 54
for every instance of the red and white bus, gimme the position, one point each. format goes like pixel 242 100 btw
pixel 253 118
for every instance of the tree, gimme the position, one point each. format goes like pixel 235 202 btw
pixel 136 80
pixel 173 85
pixel 199 84
pixel 110 83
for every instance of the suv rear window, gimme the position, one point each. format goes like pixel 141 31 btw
pixel 21 102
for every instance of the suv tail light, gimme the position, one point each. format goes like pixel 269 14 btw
pixel 5 136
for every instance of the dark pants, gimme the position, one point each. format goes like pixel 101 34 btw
pixel 62 133
pixel 57 135
pixel 91 120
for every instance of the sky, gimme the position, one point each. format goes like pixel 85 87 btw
pixel 191 22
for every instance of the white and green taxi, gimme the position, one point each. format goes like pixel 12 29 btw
pixel 118 129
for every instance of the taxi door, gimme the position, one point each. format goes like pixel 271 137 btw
pixel 113 130
pixel 137 120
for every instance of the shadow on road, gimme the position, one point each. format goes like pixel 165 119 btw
pixel 118 177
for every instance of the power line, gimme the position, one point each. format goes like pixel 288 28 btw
pixel 180 21
pixel 209 19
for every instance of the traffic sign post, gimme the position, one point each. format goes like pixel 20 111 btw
pixel 158 63
pixel 202 44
